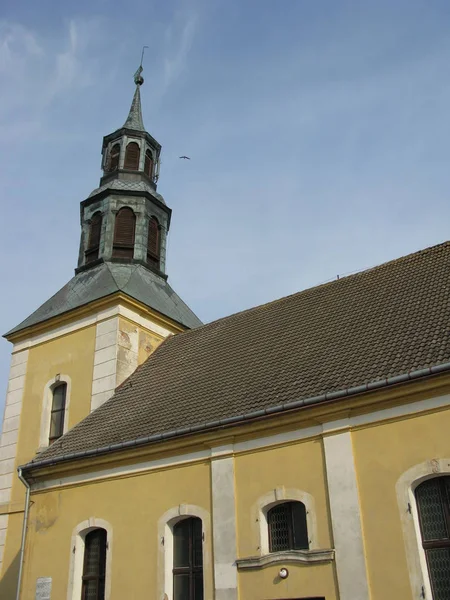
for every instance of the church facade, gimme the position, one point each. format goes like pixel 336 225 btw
pixel 298 450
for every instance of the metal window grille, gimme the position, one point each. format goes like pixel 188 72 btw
pixel 188 560
pixel 433 503
pixel 93 583
pixel 287 527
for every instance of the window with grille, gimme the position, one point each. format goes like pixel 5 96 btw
pixel 58 412
pixel 94 567
pixel 132 154
pixel 433 504
pixel 124 230
pixel 287 527
pixel 153 244
pixel 95 230
pixel 188 560
pixel 148 164
pixel 114 158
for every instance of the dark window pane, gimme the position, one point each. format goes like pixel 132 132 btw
pixel 431 509
pixel 56 424
pixel 198 542
pixel 59 397
pixel 94 565
pixel 198 586
pixel 439 567
pixel 181 542
pixel 181 587
pixel 301 541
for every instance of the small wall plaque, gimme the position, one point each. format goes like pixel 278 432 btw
pixel 43 588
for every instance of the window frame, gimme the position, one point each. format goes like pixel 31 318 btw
pixel 128 165
pixel 111 156
pixel 46 408
pixel 191 570
pixel 93 250
pixel 154 258
pixel 293 544
pixel 148 161
pixel 118 247
pixel 53 411
pixel 444 496
pixel 100 574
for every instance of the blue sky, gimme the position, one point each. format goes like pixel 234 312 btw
pixel 318 131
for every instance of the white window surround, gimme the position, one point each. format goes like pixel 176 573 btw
pixel 77 556
pixel 280 495
pixel 47 401
pixel 409 516
pixel 165 548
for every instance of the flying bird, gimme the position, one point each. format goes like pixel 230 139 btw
pixel 185 157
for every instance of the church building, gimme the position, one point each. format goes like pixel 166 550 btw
pixel 298 450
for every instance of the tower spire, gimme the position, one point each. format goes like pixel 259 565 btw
pixel 134 119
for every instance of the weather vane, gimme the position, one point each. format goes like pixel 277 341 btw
pixel 138 79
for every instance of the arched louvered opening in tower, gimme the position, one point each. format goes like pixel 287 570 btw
pixel 148 165
pixel 154 243
pixel 124 230
pixel 95 232
pixel 114 154
pixel 132 155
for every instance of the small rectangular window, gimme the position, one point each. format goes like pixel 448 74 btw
pixel 58 413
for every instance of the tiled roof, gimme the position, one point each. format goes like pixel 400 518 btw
pixel 368 327
pixel 134 119
pixel 106 279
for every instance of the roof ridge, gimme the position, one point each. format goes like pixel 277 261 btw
pixel 353 275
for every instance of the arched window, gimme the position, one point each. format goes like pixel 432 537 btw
pixel 132 157
pixel 148 165
pixel 153 243
pixel 114 158
pixel 123 245
pixel 95 231
pixel 94 566
pixel 433 505
pixel 58 412
pixel 188 560
pixel 287 527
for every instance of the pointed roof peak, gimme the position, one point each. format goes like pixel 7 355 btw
pixel 134 119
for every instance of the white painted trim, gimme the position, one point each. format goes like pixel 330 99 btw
pixel 10 434
pixel 77 556
pixel 301 557
pixel 258 443
pixel 346 517
pixel 83 322
pixel 276 496
pixel 47 402
pixel 409 517
pixel 224 525
pixel 165 548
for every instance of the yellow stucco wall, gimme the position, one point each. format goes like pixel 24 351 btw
pixel 71 355
pixel 298 466
pixel 383 452
pixel 133 506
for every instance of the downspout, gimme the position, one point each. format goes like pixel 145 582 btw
pixel 24 530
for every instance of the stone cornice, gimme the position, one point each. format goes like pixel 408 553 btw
pixel 304 557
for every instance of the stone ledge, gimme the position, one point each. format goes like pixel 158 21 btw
pixel 304 557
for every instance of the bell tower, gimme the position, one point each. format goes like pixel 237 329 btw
pixel 71 353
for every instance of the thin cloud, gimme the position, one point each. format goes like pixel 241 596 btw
pixel 179 37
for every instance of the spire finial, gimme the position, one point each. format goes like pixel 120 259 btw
pixel 138 79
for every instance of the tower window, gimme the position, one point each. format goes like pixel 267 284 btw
pixel 114 158
pixel 58 412
pixel 124 230
pixel 154 242
pixel 95 231
pixel 433 504
pixel 132 156
pixel 188 560
pixel 287 527
pixel 93 586
pixel 148 165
